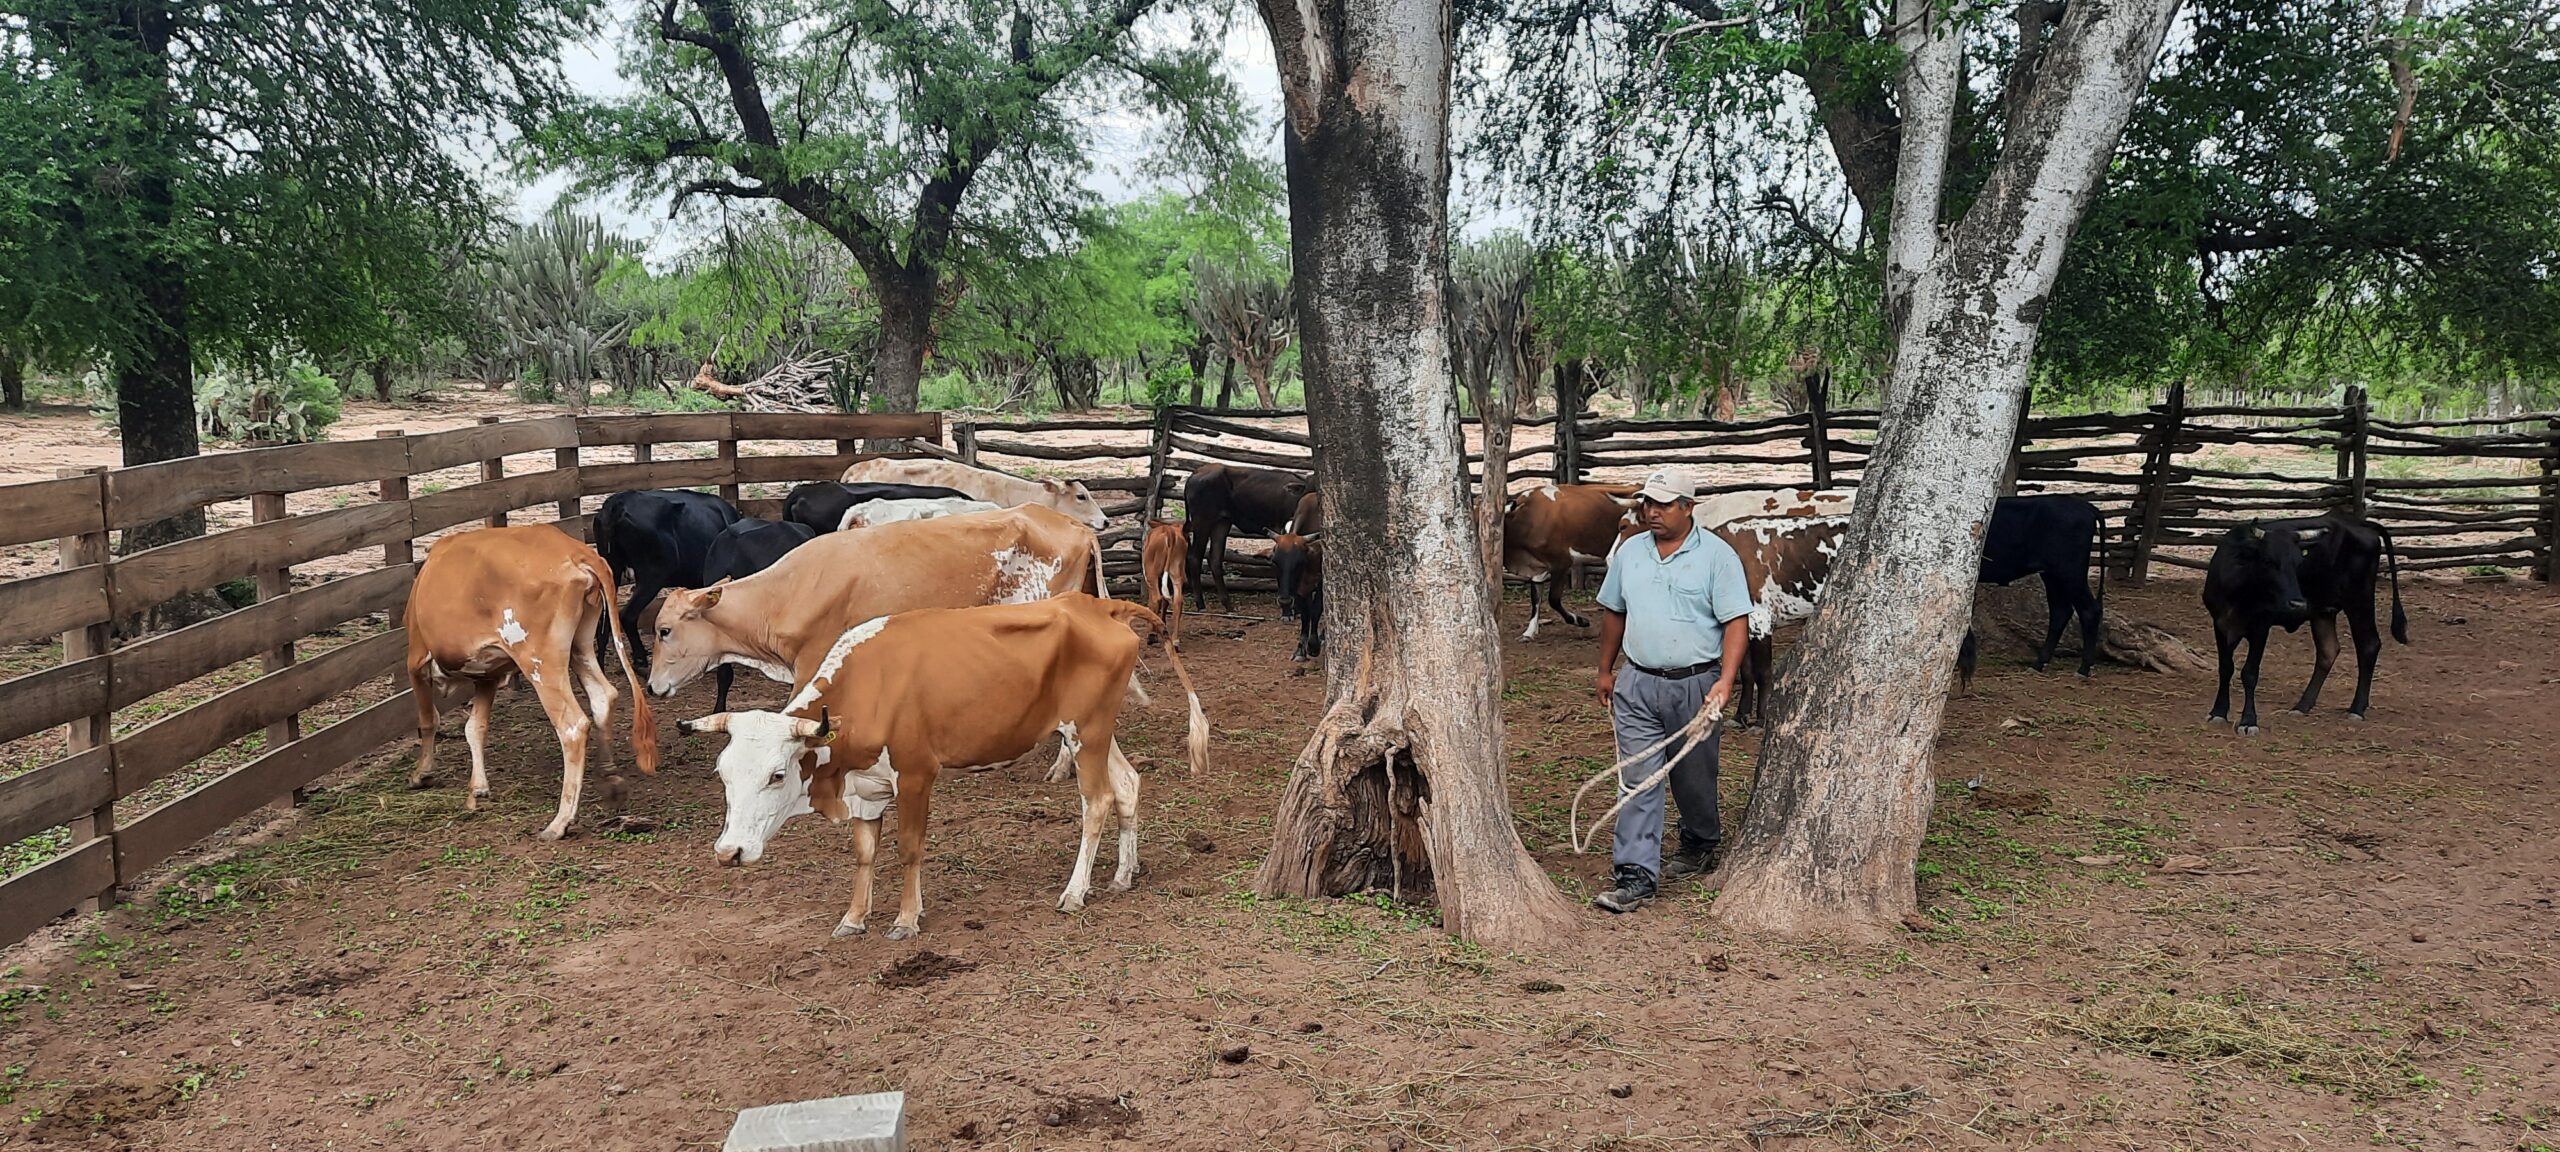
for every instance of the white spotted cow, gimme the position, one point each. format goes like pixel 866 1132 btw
pixel 523 600
pixel 1067 497
pixel 898 699
pixel 875 512
pixel 1786 561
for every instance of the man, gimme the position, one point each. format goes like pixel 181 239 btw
pixel 1675 607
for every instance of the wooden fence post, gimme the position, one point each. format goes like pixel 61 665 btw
pixel 729 464
pixel 1568 385
pixel 2353 458
pixel 402 552
pixel 1817 405
pixel 273 583
pixel 1159 454
pixel 571 506
pixel 494 468
pixel 966 434
pixel 2156 468
pixel 98 727
pixel 2551 502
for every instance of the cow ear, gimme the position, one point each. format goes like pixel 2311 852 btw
pixel 1054 485
pixel 2257 533
pixel 710 598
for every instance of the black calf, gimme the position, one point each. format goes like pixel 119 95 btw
pixel 2291 573
pixel 1218 498
pixel 822 505
pixel 2052 536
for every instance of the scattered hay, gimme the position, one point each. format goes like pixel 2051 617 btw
pixel 1856 1116
pixel 2230 1030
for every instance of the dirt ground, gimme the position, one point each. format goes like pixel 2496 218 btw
pixel 2141 933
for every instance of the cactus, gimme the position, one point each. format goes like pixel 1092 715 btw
pixel 544 295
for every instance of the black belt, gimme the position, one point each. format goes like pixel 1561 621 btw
pixel 1675 673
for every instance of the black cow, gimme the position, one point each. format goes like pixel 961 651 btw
pixel 1298 563
pixel 1217 498
pixel 2050 536
pixel 742 549
pixel 822 505
pixel 656 539
pixel 2296 572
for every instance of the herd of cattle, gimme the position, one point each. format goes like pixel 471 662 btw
pixel 902 600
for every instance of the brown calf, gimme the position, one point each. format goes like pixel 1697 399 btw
pixel 900 698
pixel 524 600
pixel 1162 556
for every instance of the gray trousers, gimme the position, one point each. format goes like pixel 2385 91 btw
pixel 1644 709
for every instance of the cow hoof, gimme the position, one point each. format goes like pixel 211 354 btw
pixel 844 930
pixel 2297 712
pixel 420 783
pixel 900 932
pixel 2248 729
pixel 2356 716
pixel 2216 718
pixel 1123 883
pixel 1070 904
pixel 549 834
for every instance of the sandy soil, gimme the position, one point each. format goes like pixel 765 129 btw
pixel 2353 943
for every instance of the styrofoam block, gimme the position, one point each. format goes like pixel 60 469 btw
pixel 872 1123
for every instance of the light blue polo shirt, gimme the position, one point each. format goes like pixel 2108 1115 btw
pixel 1675 606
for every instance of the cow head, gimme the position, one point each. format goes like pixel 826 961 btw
pixel 688 643
pixel 760 772
pixel 1296 563
pixel 2268 565
pixel 1070 497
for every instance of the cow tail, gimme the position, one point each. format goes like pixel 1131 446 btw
pixel 644 722
pixel 2102 558
pixel 1196 737
pixel 1101 586
pixel 2399 616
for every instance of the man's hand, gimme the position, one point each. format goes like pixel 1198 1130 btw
pixel 1608 685
pixel 1717 695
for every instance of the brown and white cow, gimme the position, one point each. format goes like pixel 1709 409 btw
pixel 780 621
pixel 1067 497
pixel 1547 528
pixel 524 601
pixel 899 699
pixel 1786 561
pixel 1714 511
pixel 1162 557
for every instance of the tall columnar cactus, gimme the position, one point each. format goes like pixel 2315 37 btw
pixel 543 293
pixel 1250 313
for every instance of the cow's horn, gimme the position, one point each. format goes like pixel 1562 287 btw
pixel 715 722
pixel 818 729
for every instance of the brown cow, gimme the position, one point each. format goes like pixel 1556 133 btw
pixel 899 699
pixel 1309 518
pixel 1547 528
pixel 524 601
pixel 779 621
pixel 1161 559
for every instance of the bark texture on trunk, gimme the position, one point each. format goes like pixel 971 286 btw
pixel 1402 785
pixel 906 330
pixel 1832 835
pixel 13 380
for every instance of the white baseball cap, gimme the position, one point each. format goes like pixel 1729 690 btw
pixel 1667 484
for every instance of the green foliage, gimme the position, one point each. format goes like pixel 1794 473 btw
pixel 766 288
pixel 557 303
pixel 295 405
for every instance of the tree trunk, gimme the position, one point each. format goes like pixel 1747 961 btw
pixel 1495 486
pixel 1401 786
pixel 1260 374
pixel 13 380
pixel 1831 838
pixel 906 330
pixel 382 380
pixel 1199 354
pixel 1227 385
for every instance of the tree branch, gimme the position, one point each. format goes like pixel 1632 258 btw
pixel 1857 113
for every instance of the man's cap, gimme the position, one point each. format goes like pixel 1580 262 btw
pixel 1667 484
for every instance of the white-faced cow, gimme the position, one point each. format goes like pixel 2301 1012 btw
pixel 1218 499
pixel 873 512
pixel 1547 528
pixel 780 621
pixel 2291 573
pixel 524 600
pixel 896 700
pixel 1162 558
pixel 2051 536
pixel 1065 497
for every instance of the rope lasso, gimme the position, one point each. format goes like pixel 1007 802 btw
pixel 1699 727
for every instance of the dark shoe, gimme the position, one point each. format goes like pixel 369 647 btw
pixel 1635 886
pixel 1689 864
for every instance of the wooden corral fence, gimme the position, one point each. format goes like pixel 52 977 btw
pixel 139 775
